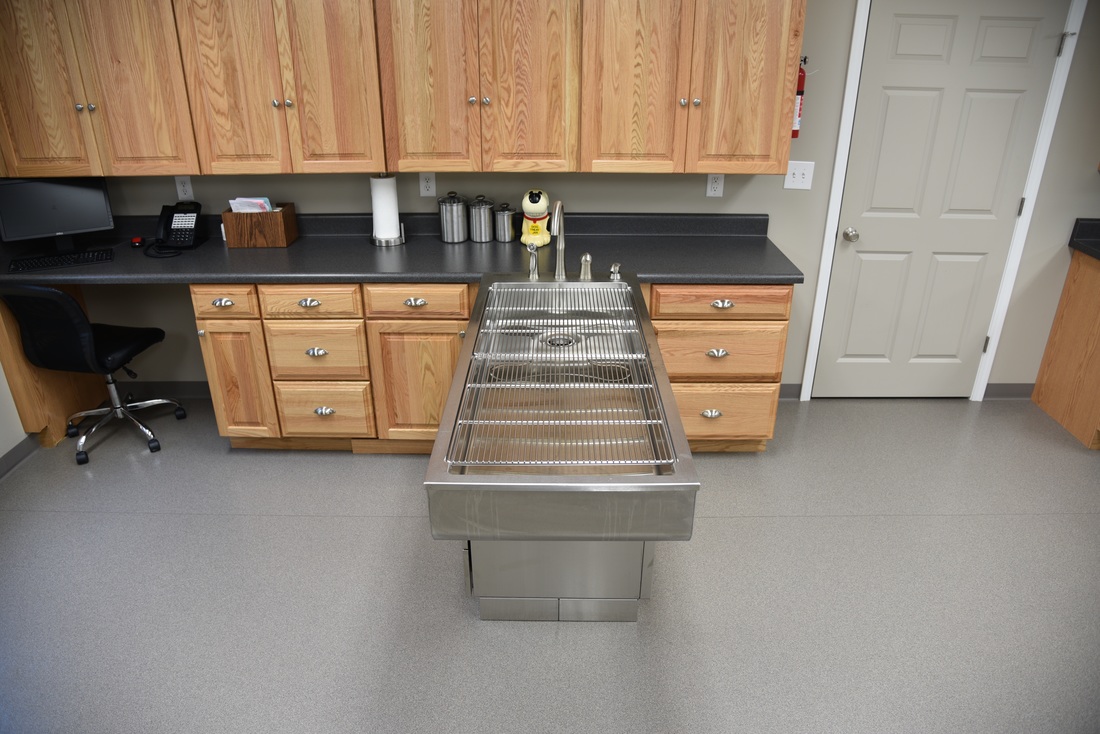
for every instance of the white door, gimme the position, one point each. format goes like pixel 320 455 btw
pixel 950 99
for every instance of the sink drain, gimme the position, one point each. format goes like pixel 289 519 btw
pixel 561 340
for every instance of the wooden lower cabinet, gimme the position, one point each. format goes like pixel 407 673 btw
pixel 325 409
pixel 723 348
pixel 235 356
pixel 412 365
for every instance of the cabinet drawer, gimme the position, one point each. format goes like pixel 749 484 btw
pixel 229 301
pixel 751 302
pixel 317 350
pixel 737 411
pixel 337 300
pixel 747 351
pixel 325 408
pixel 418 300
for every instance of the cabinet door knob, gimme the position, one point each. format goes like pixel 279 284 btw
pixel 289 103
pixel 415 302
pixel 309 303
pixel 91 107
pixel 485 101
pixel 722 303
pixel 323 411
pixel 683 102
pixel 717 353
pixel 221 303
pixel 696 102
pixel 202 332
pixel 316 352
pixel 711 413
pixel 275 103
pixel 472 100
pixel 79 107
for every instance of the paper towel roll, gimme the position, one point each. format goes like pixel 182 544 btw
pixel 383 197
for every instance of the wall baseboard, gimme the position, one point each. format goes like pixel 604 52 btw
pixel 20 451
pixel 993 391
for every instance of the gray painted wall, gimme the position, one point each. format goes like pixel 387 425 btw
pixel 1070 189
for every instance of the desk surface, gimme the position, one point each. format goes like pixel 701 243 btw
pixel 656 248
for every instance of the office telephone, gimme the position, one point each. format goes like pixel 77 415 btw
pixel 181 226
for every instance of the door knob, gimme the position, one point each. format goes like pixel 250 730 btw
pixel 851 234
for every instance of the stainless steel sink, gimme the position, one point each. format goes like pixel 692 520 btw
pixel 560 423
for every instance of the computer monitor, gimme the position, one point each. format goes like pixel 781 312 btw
pixel 53 207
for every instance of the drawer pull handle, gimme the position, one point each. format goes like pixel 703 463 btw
pixel 221 303
pixel 316 352
pixel 711 413
pixel 722 303
pixel 415 302
pixel 309 303
pixel 717 353
pixel 324 410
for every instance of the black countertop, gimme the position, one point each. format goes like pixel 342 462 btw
pixel 332 249
pixel 1085 237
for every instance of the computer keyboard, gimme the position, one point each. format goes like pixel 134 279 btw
pixel 63 260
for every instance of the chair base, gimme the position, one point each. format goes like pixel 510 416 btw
pixel 118 409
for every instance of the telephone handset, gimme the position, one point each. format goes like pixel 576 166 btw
pixel 181 226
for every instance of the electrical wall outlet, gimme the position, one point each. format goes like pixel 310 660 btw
pixel 184 192
pixel 800 175
pixel 715 183
pixel 427 184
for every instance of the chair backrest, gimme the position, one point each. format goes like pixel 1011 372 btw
pixel 54 329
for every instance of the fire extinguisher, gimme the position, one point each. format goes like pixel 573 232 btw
pixel 798 97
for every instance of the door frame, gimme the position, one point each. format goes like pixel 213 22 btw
pixel 1023 221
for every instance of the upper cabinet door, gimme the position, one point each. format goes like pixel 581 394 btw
pixel 744 71
pixel 430 89
pixel 530 84
pixel 634 85
pixel 329 67
pixel 130 63
pixel 232 67
pixel 45 123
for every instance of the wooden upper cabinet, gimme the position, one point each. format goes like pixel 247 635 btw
pixel 92 87
pixel 481 85
pixel 530 75
pixel 235 83
pixel 744 71
pixel 428 84
pixel 130 62
pixel 43 133
pixel 636 71
pixel 689 85
pixel 281 86
pixel 329 62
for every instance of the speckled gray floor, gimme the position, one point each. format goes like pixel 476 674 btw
pixel 887 566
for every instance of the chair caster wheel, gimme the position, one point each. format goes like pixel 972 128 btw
pixel 154 445
pixel 81 457
pixel 71 431
pixel 180 414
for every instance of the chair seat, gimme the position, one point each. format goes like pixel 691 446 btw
pixel 115 346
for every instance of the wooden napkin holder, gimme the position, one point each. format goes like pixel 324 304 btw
pixel 276 228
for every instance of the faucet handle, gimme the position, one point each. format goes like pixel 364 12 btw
pixel 615 271
pixel 533 271
pixel 586 266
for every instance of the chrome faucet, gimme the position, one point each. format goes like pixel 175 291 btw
pixel 557 228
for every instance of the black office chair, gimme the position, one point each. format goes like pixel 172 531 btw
pixel 57 335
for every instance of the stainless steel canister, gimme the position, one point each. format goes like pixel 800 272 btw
pixel 452 217
pixel 481 219
pixel 504 222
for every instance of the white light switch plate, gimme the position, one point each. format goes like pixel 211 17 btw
pixel 800 175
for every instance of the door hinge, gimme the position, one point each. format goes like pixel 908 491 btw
pixel 986 345
pixel 1062 42
pixel 1021 209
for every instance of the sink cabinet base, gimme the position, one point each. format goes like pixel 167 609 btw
pixel 567 581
